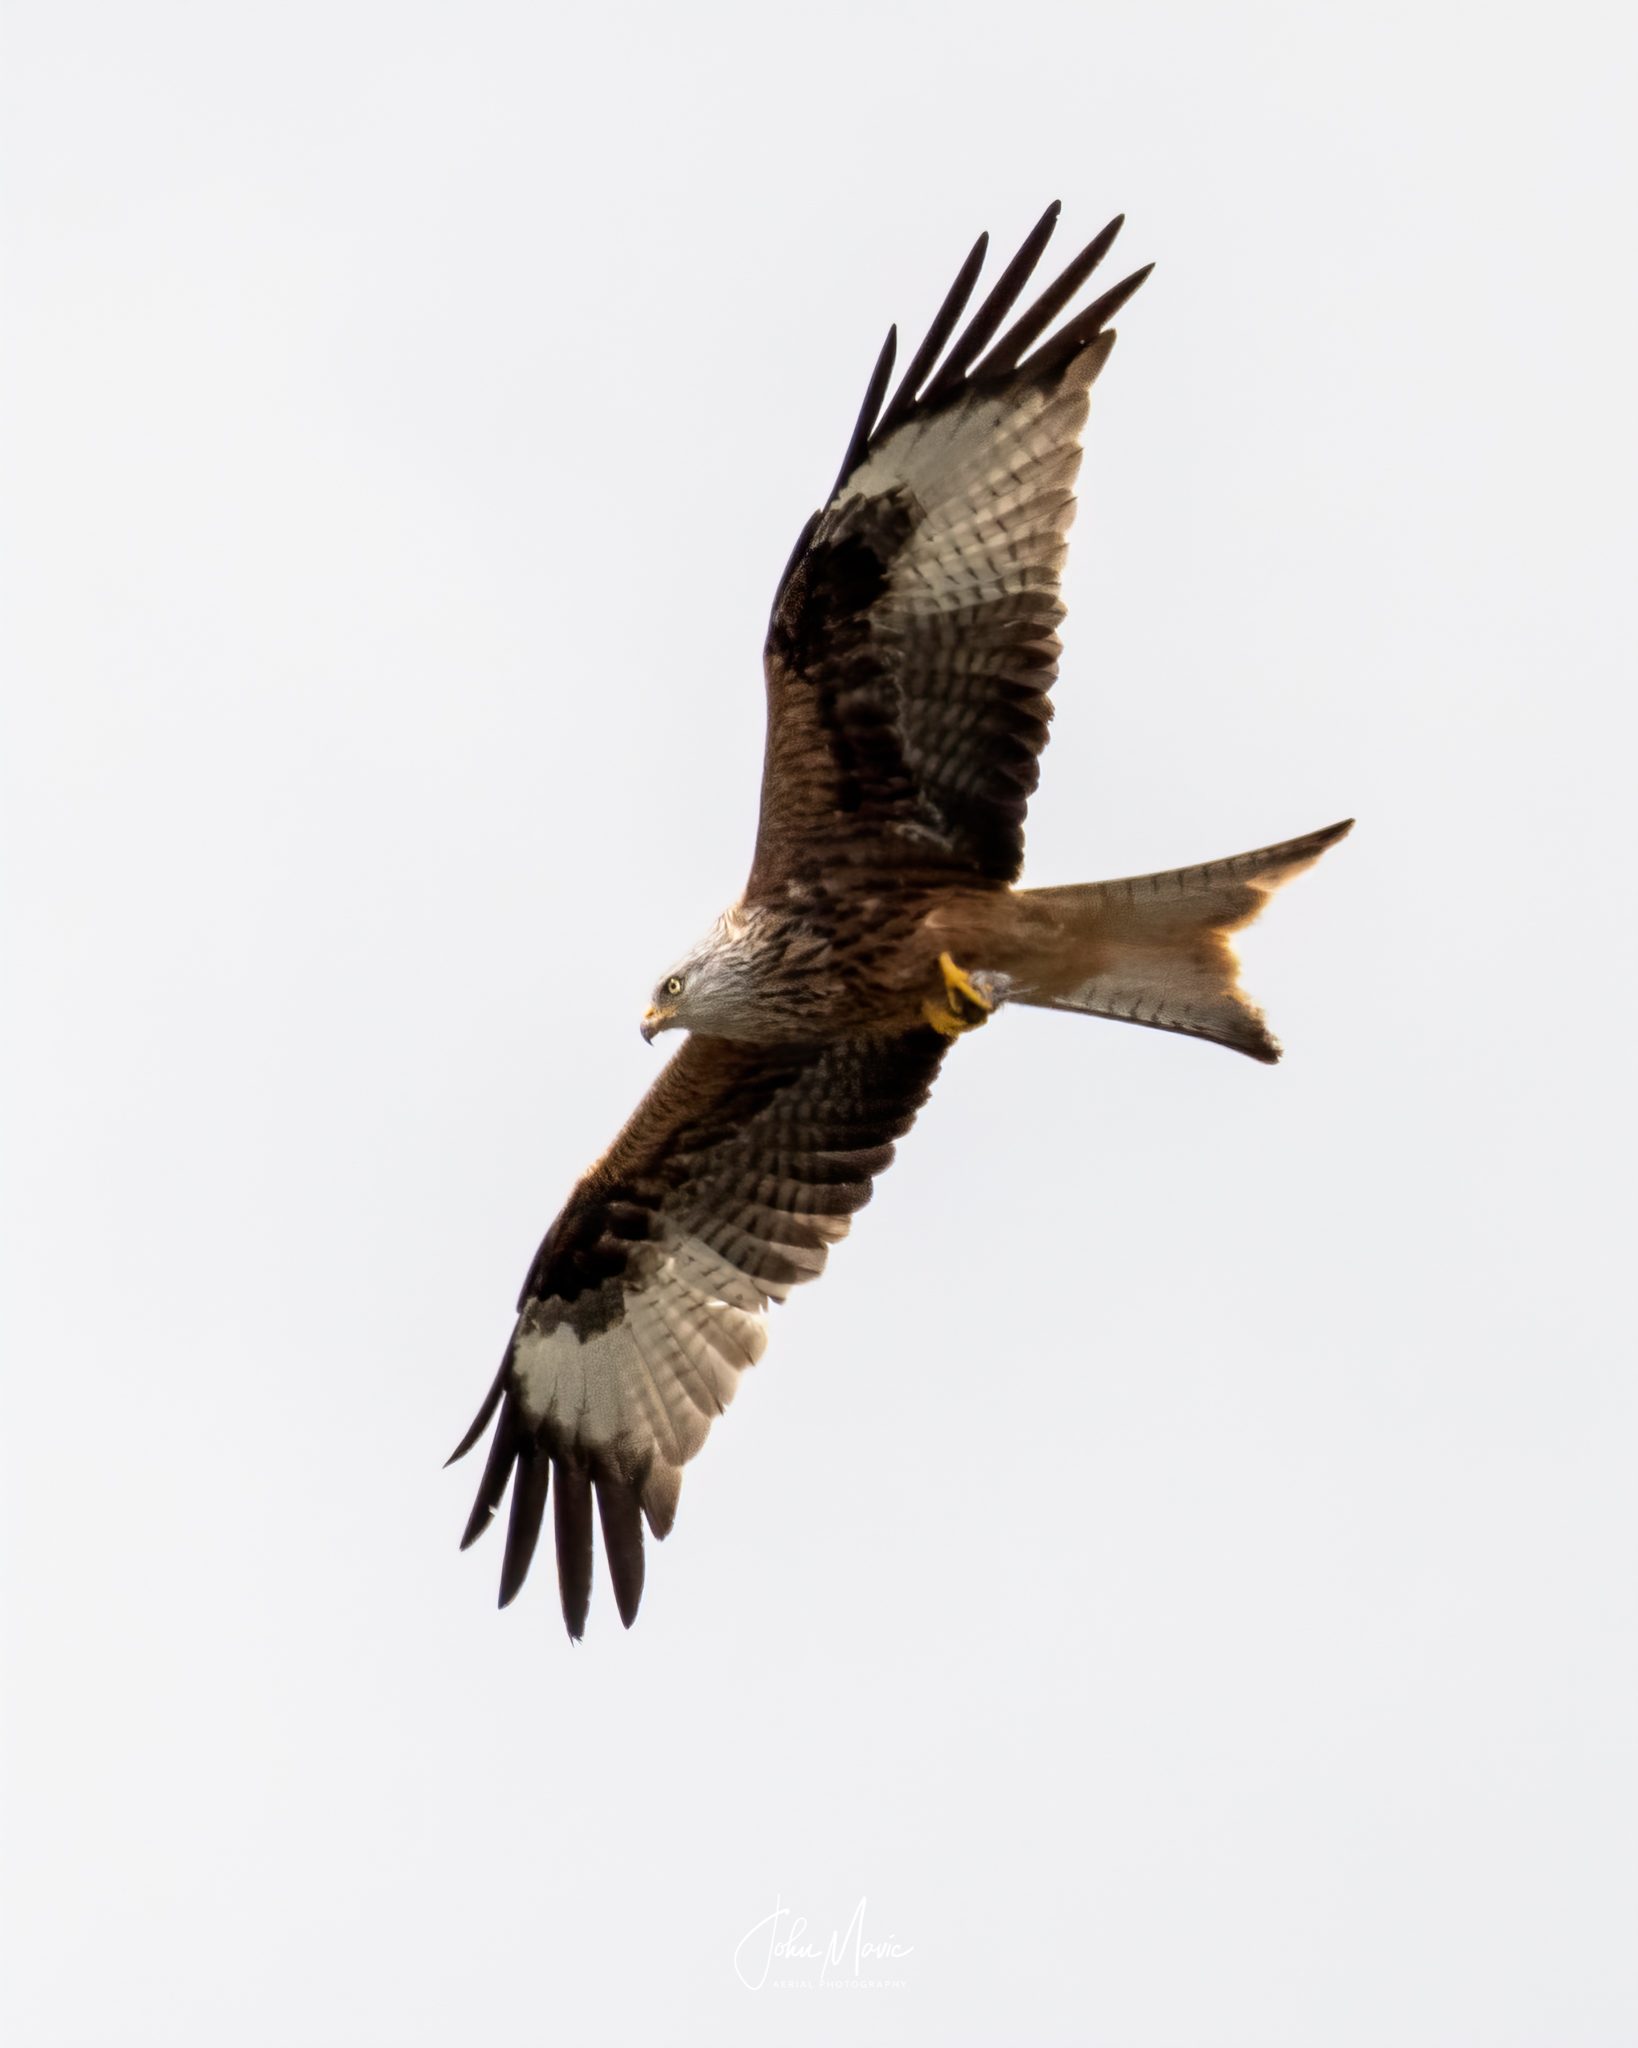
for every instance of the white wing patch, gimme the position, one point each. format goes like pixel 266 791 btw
pixel 641 1396
pixel 994 478
pixel 971 607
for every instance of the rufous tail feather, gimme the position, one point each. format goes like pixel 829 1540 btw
pixel 1157 949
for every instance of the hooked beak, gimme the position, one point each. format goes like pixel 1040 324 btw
pixel 653 1021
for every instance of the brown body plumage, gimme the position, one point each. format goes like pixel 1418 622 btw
pixel 910 655
pixel 1149 949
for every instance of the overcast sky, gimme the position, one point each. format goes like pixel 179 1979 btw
pixel 1178 1569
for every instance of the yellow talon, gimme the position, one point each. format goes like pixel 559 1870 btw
pixel 958 984
pixel 964 1006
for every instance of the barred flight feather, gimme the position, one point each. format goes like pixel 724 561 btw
pixel 622 1395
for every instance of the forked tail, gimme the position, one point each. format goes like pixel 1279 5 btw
pixel 1157 949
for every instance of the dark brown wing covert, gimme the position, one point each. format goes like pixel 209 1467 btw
pixel 913 644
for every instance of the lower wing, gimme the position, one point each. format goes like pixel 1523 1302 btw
pixel 742 1166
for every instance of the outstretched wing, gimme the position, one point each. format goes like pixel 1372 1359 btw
pixel 741 1168
pixel 913 641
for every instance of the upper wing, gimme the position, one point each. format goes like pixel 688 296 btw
pixel 913 644
pixel 741 1167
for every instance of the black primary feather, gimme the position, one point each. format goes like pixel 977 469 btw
pixel 903 401
pixel 503 1451
pixel 1086 326
pixel 622 1522
pixel 1025 331
pixel 572 1507
pixel 875 392
pixel 994 310
pixel 529 1485
pixel 480 1421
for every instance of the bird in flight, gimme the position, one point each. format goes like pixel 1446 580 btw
pixel 909 662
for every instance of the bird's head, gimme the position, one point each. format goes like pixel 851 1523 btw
pixel 708 988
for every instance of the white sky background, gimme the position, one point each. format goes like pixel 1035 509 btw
pixel 1179 1567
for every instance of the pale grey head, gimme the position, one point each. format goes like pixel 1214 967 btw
pixel 712 988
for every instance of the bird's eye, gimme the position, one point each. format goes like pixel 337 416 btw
pixel 674 986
